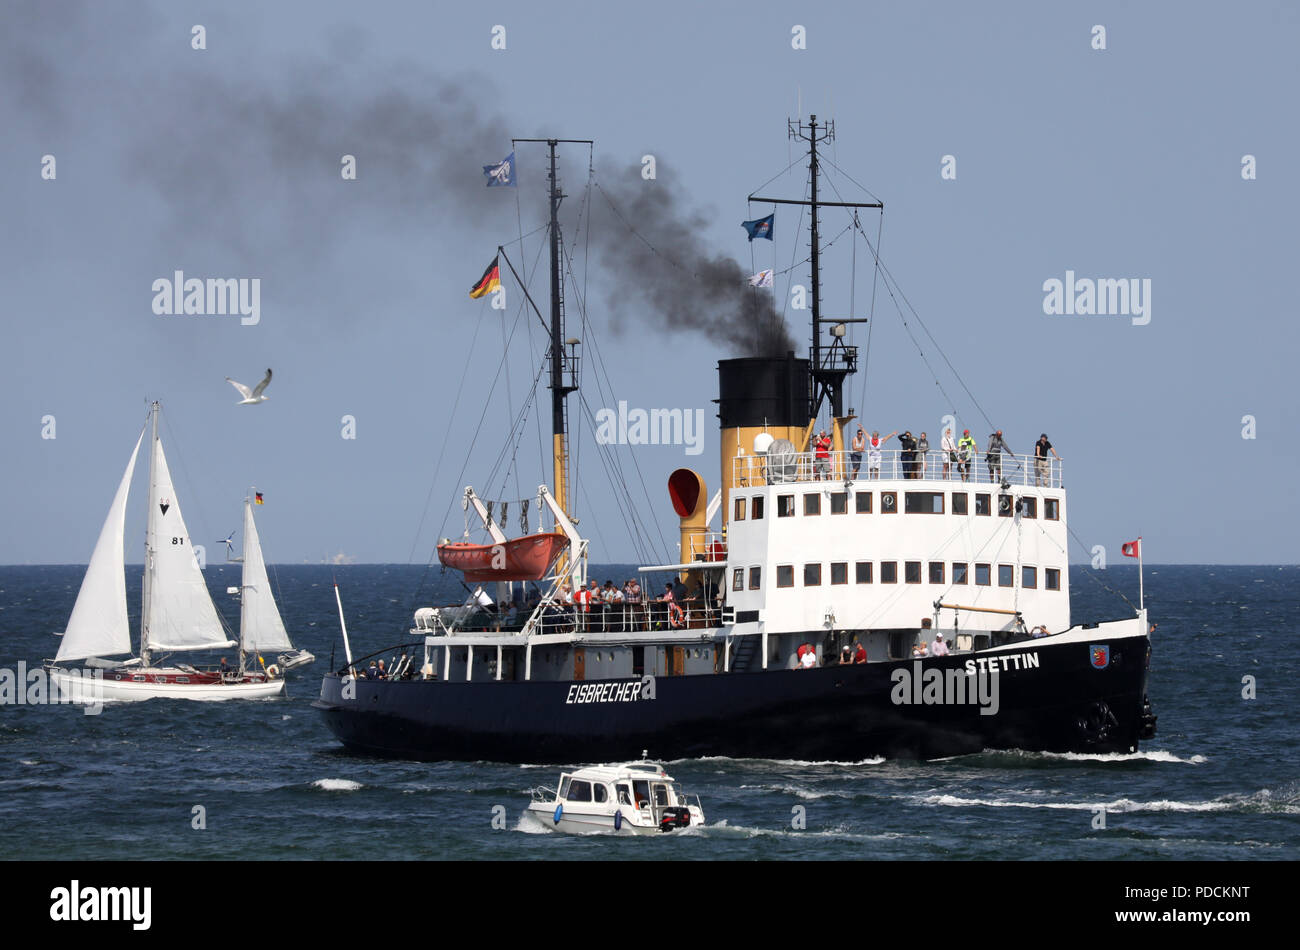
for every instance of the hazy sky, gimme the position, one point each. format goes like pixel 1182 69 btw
pixel 225 162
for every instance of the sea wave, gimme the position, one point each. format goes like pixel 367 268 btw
pixel 337 784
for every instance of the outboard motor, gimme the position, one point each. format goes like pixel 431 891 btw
pixel 674 818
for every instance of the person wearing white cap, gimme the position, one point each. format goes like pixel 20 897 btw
pixel 938 648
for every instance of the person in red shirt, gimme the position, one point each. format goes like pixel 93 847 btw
pixel 823 455
pixel 860 656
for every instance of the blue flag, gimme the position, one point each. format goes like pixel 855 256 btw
pixel 762 228
pixel 502 173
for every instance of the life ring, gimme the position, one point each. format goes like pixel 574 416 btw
pixel 272 671
pixel 676 618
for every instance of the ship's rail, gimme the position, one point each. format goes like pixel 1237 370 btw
pixel 705 546
pixel 644 617
pixel 934 465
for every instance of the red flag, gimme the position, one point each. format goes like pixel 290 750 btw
pixel 1132 548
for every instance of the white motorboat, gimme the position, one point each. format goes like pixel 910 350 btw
pixel 628 798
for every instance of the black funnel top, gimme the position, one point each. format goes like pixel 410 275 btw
pixel 763 390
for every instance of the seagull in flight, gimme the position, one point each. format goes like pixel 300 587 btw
pixel 251 396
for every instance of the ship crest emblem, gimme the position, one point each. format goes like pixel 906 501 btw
pixel 1100 655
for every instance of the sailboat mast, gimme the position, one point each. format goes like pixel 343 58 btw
pixel 243 583
pixel 150 538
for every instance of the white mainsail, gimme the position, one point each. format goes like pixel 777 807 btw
pixel 179 613
pixel 260 626
pixel 98 625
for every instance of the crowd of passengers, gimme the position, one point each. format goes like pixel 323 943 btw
pixel 610 608
pixel 953 456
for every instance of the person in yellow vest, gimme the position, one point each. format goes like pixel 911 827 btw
pixel 966 449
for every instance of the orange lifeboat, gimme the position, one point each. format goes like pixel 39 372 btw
pixel 519 559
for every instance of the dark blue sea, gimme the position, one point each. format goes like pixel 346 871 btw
pixel 1220 781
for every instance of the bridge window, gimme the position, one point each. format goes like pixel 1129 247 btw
pixel 1053 579
pixel 812 575
pixel 738 579
pixel 839 503
pixel 912 572
pixel 579 791
pixel 982 503
pixel 785 506
pixel 1006 575
pixel 1029 507
pixel 1029 577
pixel 601 793
pixel 863 502
pixel 840 572
pixel 936 572
pixel 889 572
pixel 889 502
pixel 757 512
pixel 1052 509
pixel 983 578
pixel 959 572
pixel 754 575
pixel 923 502
pixel 785 575
pixel 959 502
pixel 812 503
pixel 863 572
pixel 740 510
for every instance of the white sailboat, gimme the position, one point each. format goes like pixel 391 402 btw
pixel 261 629
pixel 177 613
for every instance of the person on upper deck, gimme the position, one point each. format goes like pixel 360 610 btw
pixel 860 653
pixel 908 456
pixel 949 449
pixel 966 449
pixel 922 447
pixel 993 455
pixel 859 446
pixel 1042 467
pixel 822 455
pixel 874 446
pixel 938 647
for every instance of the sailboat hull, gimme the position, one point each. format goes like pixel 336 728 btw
pixel 133 685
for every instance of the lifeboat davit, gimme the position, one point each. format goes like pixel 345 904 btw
pixel 520 559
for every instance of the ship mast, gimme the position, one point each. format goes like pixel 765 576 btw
pixel 150 541
pixel 564 367
pixel 830 363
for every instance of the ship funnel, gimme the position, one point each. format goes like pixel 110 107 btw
pixel 763 408
pixel 691 502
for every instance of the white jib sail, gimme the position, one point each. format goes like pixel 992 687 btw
pixel 181 615
pixel 98 625
pixel 260 626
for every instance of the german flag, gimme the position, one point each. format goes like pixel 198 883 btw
pixel 489 282
pixel 258 499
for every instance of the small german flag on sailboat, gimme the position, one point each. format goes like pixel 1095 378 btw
pixel 258 499
pixel 489 282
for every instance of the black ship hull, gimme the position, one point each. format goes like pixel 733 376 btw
pixel 1041 698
